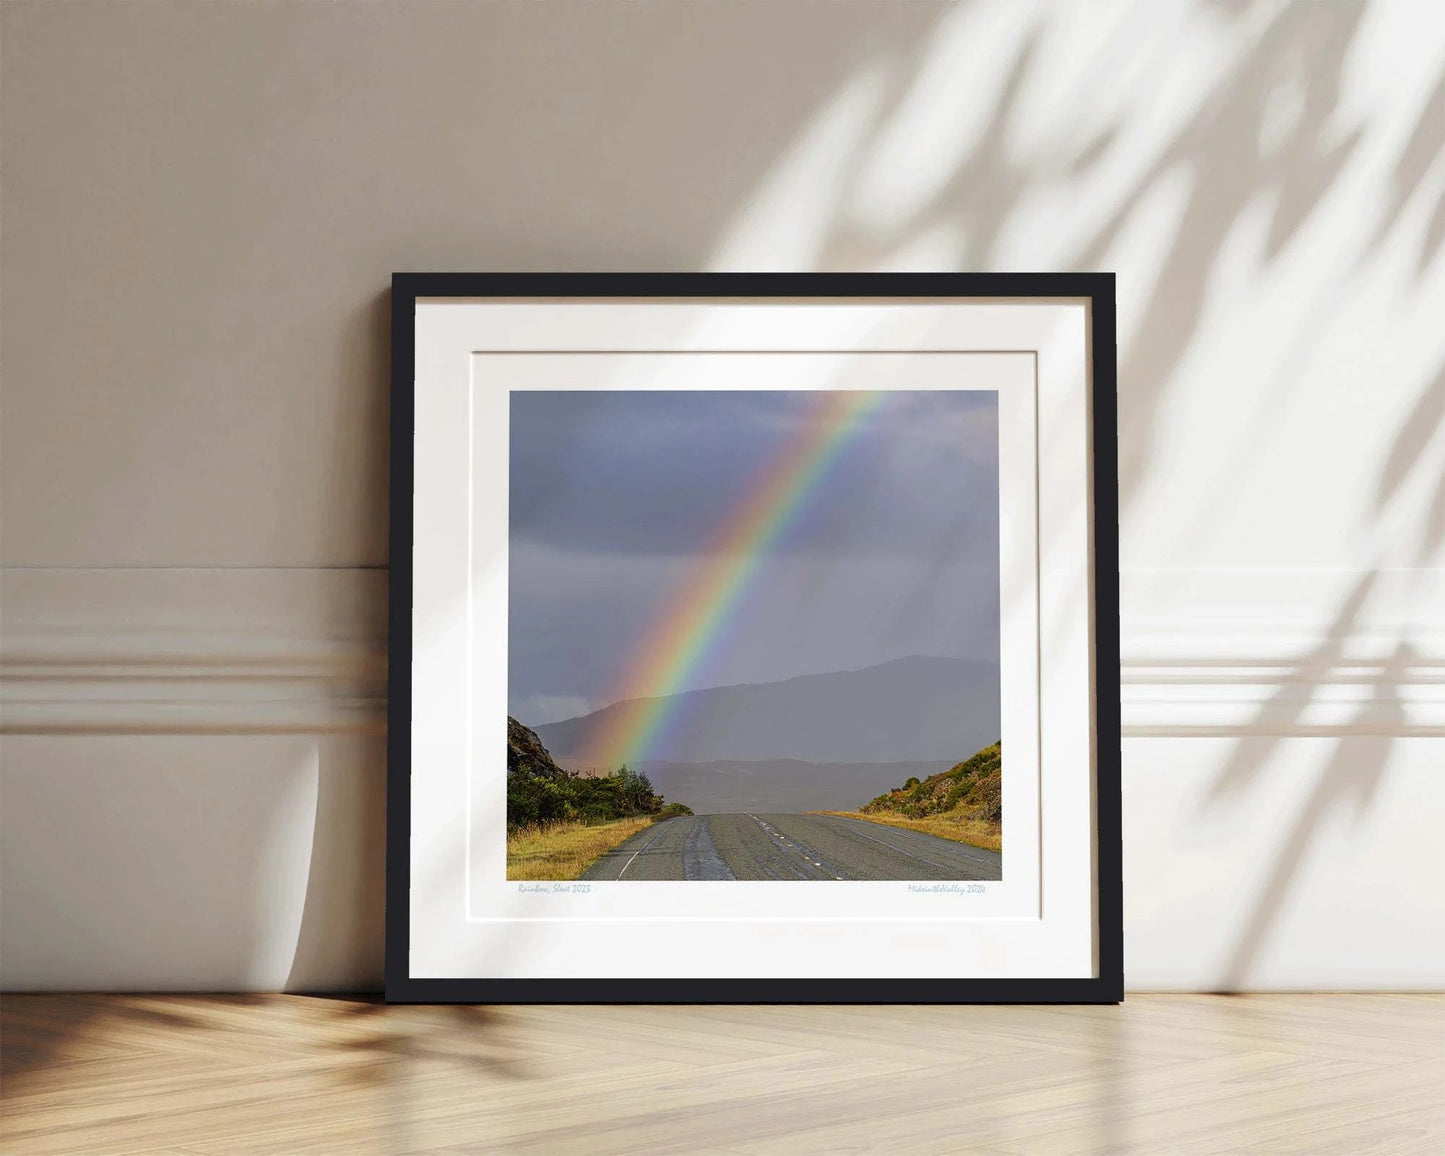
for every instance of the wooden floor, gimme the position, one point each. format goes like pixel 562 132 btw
pixel 291 1074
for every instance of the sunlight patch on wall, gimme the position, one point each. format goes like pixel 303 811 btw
pixel 785 225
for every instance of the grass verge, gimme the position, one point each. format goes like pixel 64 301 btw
pixel 559 851
pixel 974 832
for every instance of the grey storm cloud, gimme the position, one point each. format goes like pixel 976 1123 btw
pixel 893 552
pixel 659 472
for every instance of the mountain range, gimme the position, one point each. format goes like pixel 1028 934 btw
pixel 911 710
pixel 781 785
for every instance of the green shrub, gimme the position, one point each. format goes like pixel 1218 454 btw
pixel 972 785
pixel 568 796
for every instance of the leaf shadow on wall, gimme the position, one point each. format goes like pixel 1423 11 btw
pixel 1269 131
pixel 1236 151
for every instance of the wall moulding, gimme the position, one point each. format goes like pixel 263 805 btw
pixel 188 651
pixel 1283 651
pixel 193 651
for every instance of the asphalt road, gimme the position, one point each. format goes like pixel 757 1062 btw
pixel 753 846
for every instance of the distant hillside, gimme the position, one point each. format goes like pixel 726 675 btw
pixel 785 785
pixel 963 803
pixel 913 710
pixel 971 790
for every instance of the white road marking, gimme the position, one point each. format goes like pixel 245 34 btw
pixel 783 841
pixel 628 864
pixel 641 849
pixel 963 849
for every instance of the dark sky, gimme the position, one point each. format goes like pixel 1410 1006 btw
pixel 613 494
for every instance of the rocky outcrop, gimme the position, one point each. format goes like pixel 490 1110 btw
pixel 525 753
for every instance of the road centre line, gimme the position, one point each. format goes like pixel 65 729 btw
pixel 806 855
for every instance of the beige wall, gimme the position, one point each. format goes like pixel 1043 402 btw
pixel 201 207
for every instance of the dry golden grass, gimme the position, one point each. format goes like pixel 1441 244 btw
pixel 975 832
pixel 564 850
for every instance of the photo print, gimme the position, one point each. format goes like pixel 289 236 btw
pixel 754 635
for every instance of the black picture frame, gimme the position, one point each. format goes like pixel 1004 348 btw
pixel 1108 985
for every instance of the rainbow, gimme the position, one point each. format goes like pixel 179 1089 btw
pixel 680 640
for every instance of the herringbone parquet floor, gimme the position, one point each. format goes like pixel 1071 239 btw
pixel 289 1075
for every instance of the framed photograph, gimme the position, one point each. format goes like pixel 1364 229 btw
pixel 754 638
